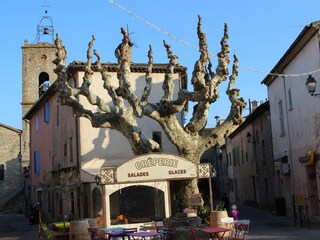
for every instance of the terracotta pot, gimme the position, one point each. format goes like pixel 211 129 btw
pixel 191 214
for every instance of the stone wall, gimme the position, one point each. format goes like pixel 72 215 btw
pixel 9 150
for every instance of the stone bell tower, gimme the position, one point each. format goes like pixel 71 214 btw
pixel 37 73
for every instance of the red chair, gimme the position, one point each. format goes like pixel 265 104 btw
pixel 197 235
pixel 241 230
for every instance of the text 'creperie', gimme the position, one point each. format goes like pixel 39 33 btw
pixel 152 162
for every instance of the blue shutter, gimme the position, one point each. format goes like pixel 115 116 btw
pixel 36 162
pixel 46 112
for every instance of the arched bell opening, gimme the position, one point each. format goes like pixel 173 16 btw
pixel 43 83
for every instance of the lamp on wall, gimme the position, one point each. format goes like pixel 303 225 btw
pixel 311 85
pixel 97 179
pixel 250 138
pixel 19 157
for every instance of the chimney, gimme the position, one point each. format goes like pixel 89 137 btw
pixel 254 105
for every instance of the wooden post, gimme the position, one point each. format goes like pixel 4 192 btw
pixel 210 191
pixel 104 207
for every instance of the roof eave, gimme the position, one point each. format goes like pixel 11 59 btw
pixel 303 38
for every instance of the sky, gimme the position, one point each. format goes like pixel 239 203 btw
pixel 260 32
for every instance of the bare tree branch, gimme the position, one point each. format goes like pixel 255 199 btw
pixel 117 116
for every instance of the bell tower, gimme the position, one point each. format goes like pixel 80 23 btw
pixel 37 73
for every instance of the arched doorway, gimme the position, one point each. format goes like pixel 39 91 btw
pixel 96 201
pixel 137 204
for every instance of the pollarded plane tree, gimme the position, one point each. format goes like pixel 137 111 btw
pixel 190 140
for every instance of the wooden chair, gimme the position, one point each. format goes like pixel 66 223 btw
pixel 46 233
pixel 241 230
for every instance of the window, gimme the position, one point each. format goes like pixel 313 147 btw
pixel 37 123
pixel 36 159
pixel 2 172
pixel 242 158
pixel 281 118
pixel 71 149
pixel 72 202
pixel 46 113
pixel 290 99
pixel 156 136
pixel 236 156
pixel 65 149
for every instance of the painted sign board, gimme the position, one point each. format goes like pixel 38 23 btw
pixel 154 167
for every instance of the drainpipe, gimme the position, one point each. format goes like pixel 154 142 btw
pixel 20 161
pixel 289 152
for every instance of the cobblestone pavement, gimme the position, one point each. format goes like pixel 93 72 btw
pixel 264 226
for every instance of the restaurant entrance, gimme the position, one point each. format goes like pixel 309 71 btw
pixel 138 191
pixel 137 204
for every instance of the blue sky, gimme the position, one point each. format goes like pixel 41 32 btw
pixel 259 33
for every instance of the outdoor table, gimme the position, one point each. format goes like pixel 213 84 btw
pixel 214 232
pixel 112 229
pixel 112 232
pixel 60 226
pixel 143 235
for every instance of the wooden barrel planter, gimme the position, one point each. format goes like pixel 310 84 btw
pixel 79 230
pixel 215 218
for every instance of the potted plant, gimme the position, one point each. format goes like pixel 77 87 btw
pixel 190 211
pixel 204 213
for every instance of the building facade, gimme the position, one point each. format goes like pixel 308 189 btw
pixel 248 157
pixel 295 122
pixel 67 153
pixel 11 177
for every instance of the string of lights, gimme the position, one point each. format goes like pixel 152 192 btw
pixel 192 46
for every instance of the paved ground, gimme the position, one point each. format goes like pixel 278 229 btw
pixel 264 226
pixel 17 227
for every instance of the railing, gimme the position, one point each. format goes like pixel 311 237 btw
pixel 301 215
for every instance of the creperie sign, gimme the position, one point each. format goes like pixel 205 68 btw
pixel 156 167
pixel 156 161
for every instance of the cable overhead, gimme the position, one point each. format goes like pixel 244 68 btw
pixel 194 47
